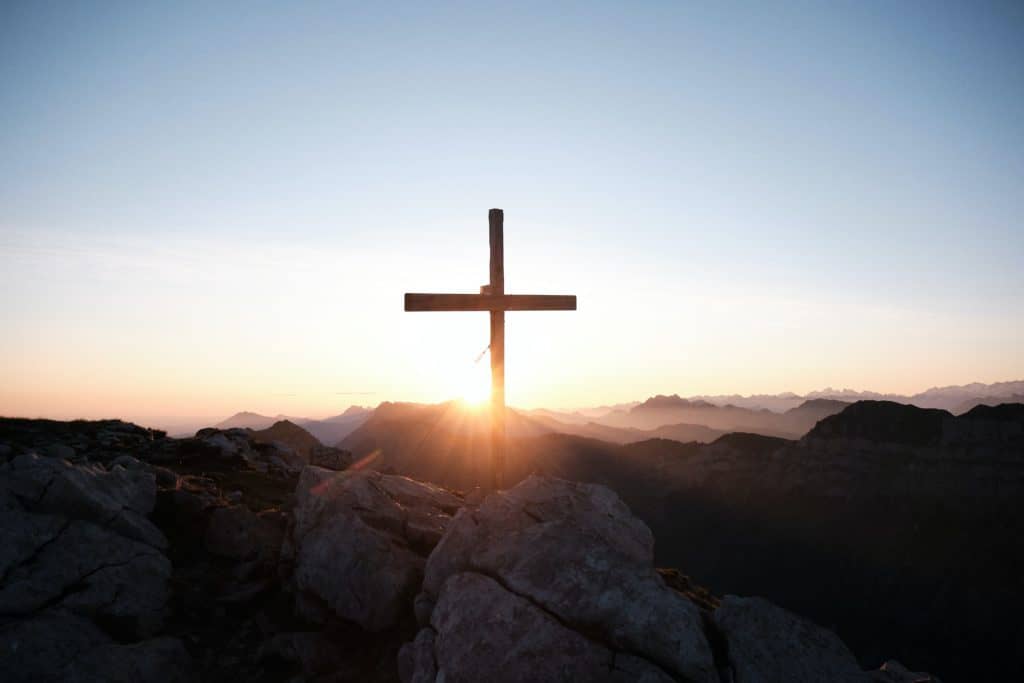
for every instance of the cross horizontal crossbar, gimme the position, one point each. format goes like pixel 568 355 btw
pixel 490 302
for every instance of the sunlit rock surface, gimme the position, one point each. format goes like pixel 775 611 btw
pixel 569 565
pixel 361 541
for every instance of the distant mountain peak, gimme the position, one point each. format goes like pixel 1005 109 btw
pixel 290 434
pixel 661 402
pixel 827 404
pixel 246 420
pixel 356 410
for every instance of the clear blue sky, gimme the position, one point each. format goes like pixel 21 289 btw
pixel 213 208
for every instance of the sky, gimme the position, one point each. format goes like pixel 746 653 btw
pixel 214 207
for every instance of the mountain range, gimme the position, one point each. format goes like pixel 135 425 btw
pixel 659 411
pixel 327 431
pixel 696 418
pixel 757 412
pixel 954 398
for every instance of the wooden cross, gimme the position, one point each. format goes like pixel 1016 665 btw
pixel 493 298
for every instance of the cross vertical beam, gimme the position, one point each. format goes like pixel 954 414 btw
pixel 496 223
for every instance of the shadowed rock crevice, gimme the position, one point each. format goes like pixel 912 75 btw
pixel 593 633
pixel 719 646
pixel 35 553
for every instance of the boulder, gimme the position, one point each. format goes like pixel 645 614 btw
pixel 61 647
pixel 481 631
pixel 220 447
pixel 360 542
pixel 229 442
pixel 416 659
pixel 767 644
pixel 119 499
pixel 234 448
pixel 165 478
pixel 75 538
pixel 88 570
pixel 567 566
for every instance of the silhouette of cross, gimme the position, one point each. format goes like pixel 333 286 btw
pixel 492 298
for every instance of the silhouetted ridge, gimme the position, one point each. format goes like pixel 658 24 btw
pixel 822 407
pixel 290 434
pixel 885 422
pixel 1004 412
pixel 659 447
pixel 751 443
pixel 660 402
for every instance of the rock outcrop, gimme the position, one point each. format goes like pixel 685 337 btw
pixel 75 441
pixel 282 450
pixel 767 643
pixel 569 557
pixel 361 540
pixel 77 552
pixel 238 444
pixel 56 646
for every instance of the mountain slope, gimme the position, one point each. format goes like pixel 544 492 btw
pixel 331 430
pixel 955 398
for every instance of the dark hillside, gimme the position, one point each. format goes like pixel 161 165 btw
pixel 885 422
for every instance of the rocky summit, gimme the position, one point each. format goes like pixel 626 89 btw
pixel 129 556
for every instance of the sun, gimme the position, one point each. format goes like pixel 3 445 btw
pixel 475 385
